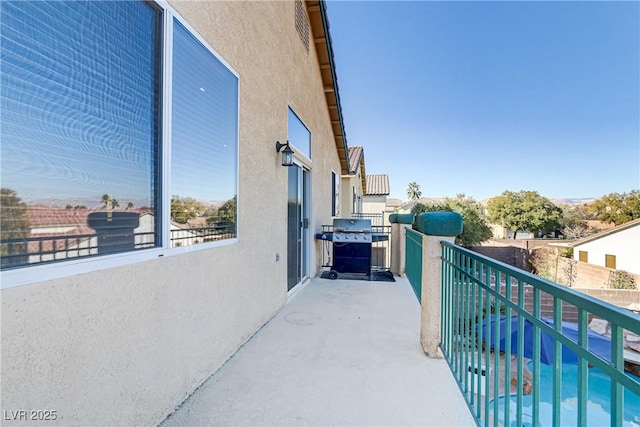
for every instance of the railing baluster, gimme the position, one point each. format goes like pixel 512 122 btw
pixel 507 350
pixel 473 375
pixel 489 385
pixel 536 360
pixel 465 323
pixel 557 361
pixel 583 377
pixel 617 361
pixel 520 354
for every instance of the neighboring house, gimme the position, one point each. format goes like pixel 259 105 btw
pixel 617 248
pixel 168 98
pixel 501 232
pixel 376 198
pixel 408 207
pixel 354 184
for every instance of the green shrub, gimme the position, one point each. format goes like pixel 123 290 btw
pixel 620 279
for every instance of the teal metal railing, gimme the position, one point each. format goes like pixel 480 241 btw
pixel 517 367
pixel 413 263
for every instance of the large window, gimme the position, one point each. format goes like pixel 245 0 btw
pixel 84 165
pixel 204 149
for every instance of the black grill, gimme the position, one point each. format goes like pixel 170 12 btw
pixel 352 245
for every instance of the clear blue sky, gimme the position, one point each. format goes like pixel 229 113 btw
pixel 481 97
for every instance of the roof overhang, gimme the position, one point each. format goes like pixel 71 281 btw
pixel 317 10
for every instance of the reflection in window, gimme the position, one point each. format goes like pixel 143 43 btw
pixel 79 129
pixel 204 144
pixel 298 135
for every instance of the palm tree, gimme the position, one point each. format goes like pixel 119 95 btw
pixel 413 191
pixel 109 202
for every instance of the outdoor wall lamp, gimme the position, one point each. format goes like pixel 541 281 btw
pixel 287 153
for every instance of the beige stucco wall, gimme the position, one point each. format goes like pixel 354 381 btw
pixel 347 185
pixel 125 345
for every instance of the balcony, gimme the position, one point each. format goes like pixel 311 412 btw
pixel 341 352
pixel 349 352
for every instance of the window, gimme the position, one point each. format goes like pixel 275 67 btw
pixel 203 144
pixel 354 200
pixel 299 135
pixel 610 261
pixel 81 130
pixel 334 192
pixel 583 256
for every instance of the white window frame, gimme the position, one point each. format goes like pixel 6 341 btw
pixel 55 270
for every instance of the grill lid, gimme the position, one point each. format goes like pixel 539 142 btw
pixel 351 225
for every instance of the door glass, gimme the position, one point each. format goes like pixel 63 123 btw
pixel 305 223
pixel 294 241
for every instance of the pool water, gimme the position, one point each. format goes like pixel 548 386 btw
pixel 598 403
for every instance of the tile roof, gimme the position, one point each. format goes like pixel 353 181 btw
pixel 356 160
pixel 355 154
pixel 377 185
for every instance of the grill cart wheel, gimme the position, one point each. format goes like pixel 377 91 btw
pixel 333 275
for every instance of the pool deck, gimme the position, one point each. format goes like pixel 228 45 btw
pixel 340 352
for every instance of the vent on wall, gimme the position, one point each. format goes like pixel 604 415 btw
pixel 302 24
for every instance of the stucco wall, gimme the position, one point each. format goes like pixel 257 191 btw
pixel 625 245
pixel 125 345
pixel 347 185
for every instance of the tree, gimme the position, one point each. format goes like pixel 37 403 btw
pixel 14 224
pixel 524 210
pixel 226 216
pixel 475 228
pixel 185 208
pixel 413 191
pixel 573 222
pixel 109 202
pixel 617 208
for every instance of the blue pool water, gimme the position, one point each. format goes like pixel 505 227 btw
pixel 598 404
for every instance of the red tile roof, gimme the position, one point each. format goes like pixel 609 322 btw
pixel 377 185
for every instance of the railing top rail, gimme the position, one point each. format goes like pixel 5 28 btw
pixel 622 317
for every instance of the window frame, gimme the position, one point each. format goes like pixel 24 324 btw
pixel 30 274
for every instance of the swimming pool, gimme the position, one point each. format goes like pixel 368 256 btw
pixel 598 404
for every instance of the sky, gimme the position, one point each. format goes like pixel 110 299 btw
pixel 482 97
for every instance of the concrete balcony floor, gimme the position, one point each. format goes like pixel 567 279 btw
pixel 343 352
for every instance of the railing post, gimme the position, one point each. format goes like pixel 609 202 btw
pixel 399 224
pixel 436 227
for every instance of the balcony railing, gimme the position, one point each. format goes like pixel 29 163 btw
pixel 516 367
pixel 380 247
pixel 414 261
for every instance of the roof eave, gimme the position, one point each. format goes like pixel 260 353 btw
pixel 317 10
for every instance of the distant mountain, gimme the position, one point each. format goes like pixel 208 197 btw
pixel 574 201
pixel 566 201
